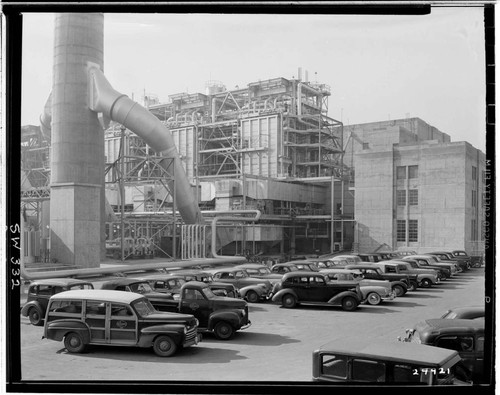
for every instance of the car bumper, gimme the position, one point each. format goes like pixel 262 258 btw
pixel 391 296
pixel 193 341
pixel 247 325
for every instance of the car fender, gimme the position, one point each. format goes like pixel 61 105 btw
pixel 148 334
pixel 277 297
pixel 27 306
pixel 382 291
pixel 426 276
pixel 256 288
pixel 232 317
pixel 337 299
pixel 57 330
pixel 401 283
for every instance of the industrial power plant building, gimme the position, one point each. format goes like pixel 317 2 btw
pixel 321 186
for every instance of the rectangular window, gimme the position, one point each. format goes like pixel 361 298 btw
pixel 401 172
pixel 413 197
pixel 366 146
pixel 474 173
pixel 413 230
pixel 413 171
pixel 401 197
pixel 474 198
pixel 401 230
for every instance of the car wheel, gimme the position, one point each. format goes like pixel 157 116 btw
pixel 164 346
pixel 398 290
pixel 426 283
pixel 74 343
pixel 223 331
pixel 252 297
pixel 349 303
pixel 413 286
pixel 35 316
pixel 288 301
pixel 373 298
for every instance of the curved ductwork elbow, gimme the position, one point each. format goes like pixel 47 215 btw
pixel 46 118
pixel 120 108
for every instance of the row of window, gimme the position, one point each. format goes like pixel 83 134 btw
pixel 412 197
pixel 401 234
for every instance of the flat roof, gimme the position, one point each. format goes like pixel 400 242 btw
pixel 411 353
pixel 60 281
pixel 99 294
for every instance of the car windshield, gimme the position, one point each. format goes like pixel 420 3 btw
pixel 208 293
pixel 450 315
pixel 143 307
pixel 141 288
pixel 81 286
pixel 176 283
pixel 433 259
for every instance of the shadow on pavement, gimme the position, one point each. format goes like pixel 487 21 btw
pixel 202 354
pixel 253 339
pixel 418 294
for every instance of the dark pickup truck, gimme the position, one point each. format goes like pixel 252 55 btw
pixel 400 283
pixel 218 314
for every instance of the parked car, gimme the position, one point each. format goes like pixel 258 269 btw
pixel 218 288
pixel 426 278
pixel 221 315
pixel 357 360
pixel 316 288
pixel 165 283
pixel 406 252
pixel 103 317
pixel 258 270
pixel 463 335
pixel 465 312
pixel 142 287
pixel 373 291
pixel 282 268
pixel 251 289
pixel 351 259
pixel 40 291
pixel 307 266
pixel 393 268
pixel 399 282
pixel 430 262
pixel 476 260
pixel 439 272
pixel 453 264
pixel 463 261
pixel 323 263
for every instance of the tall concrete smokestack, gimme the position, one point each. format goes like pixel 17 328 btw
pixel 77 159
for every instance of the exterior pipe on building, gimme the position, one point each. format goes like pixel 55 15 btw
pixel 120 108
pixel 301 86
pixel 257 213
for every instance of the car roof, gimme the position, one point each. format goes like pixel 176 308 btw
pixel 99 294
pixel 363 266
pixel 60 281
pixel 159 276
pixel 411 353
pixel 443 325
pixel 302 273
pixel 334 270
pixel 123 281
pixel 284 264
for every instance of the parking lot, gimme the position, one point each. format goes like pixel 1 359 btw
pixel 276 348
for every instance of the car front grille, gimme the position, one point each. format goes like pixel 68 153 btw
pixel 191 335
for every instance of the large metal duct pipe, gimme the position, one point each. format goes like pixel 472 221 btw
pixel 120 108
pixel 46 119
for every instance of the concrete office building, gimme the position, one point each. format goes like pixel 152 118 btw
pixel 414 188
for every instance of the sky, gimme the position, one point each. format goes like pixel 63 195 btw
pixel 379 67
